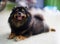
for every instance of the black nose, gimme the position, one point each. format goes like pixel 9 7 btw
pixel 19 13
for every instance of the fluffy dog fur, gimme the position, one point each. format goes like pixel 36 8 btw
pixel 23 24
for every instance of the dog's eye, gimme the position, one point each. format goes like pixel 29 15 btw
pixel 23 16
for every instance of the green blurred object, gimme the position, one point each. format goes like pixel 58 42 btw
pixel 10 5
pixel 52 3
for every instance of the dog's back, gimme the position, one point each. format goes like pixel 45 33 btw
pixel 38 26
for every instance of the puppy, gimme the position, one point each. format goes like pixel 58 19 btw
pixel 24 25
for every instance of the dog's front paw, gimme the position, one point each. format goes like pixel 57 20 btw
pixel 18 38
pixel 11 36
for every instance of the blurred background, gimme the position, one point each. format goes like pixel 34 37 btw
pixel 42 4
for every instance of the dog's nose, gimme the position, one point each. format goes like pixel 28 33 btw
pixel 19 13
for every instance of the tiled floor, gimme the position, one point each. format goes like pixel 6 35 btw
pixel 51 18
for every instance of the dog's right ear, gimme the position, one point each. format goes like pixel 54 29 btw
pixel 11 14
pixel 13 8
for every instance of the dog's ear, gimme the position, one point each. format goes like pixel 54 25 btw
pixel 13 8
pixel 27 11
pixel 29 14
pixel 26 8
pixel 11 14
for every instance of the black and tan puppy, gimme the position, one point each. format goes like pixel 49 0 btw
pixel 23 24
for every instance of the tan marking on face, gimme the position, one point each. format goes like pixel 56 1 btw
pixel 22 9
pixel 15 15
pixel 23 15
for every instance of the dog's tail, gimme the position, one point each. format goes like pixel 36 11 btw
pixel 52 30
pixel 39 16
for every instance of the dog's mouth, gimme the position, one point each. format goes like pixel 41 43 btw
pixel 17 17
pixel 20 18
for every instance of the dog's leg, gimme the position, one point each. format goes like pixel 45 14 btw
pixel 22 37
pixel 11 36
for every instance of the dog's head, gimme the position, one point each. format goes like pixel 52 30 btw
pixel 19 15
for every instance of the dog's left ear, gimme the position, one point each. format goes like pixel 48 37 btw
pixel 29 14
pixel 27 11
pixel 26 8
